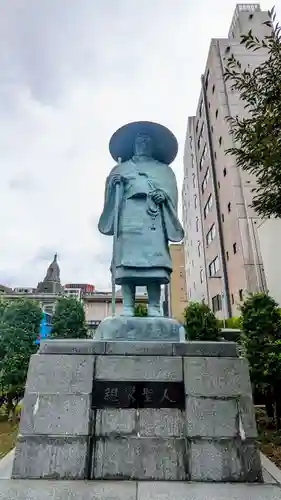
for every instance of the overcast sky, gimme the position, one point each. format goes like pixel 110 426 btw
pixel 72 72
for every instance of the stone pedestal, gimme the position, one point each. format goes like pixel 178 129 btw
pixel 140 329
pixel 81 419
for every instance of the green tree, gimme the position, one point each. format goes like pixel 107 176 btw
pixel 69 319
pixel 200 322
pixel 141 310
pixel 19 328
pixel 257 144
pixel 261 338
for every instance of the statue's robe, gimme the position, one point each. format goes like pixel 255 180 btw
pixel 142 251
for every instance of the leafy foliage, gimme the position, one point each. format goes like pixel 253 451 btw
pixel 200 322
pixel 257 137
pixel 141 310
pixel 69 319
pixel 19 328
pixel 261 337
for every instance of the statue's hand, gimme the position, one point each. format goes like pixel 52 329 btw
pixel 116 179
pixel 158 196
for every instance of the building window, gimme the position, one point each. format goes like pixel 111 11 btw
pixel 222 217
pixel 234 248
pixel 203 156
pixel 220 140
pixel 214 267
pixel 192 262
pixel 219 184
pixel 200 136
pixel 205 180
pixel 201 108
pixel 194 285
pixel 210 236
pixel 208 206
pixel 240 295
pixel 207 79
pixel 213 88
pixel 196 128
pixel 193 180
pixel 212 128
pixel 217 112
pixel 227 49
pixel 227 256
pixel 216 303
pixel 197 224
pixel 229 207
pixel 224 172
pixel 199 249
pixel 201 275
pixel 232 299
pixel 215 155
pixel 195 201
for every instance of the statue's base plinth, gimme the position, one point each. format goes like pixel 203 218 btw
pixel 140 329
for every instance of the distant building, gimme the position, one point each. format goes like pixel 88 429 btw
pixel 77 289
pixel 5 289
pixel 269 239
pixel 51 282
pixel 24 290
pixel 97 306
pixel 177 289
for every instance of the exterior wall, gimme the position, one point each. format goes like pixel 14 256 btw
pixel 269 235
pixel 235 243
pixel 178 295
pixel 192 223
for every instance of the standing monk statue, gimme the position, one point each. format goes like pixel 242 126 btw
pixel 146 209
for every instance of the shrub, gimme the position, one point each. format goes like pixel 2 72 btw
pixel 200 322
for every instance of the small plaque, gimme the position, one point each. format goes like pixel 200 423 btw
pixel 138 395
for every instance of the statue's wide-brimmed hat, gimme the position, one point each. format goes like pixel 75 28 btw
pixel 165 145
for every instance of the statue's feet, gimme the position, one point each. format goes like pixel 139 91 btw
pixel 154 311
pixel 128 311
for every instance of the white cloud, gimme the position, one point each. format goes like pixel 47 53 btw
pixel 71 74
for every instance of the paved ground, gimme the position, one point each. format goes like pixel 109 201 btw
pixel 124 490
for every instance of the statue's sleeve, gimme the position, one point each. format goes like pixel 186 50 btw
pixel 174 230
pixel 106 221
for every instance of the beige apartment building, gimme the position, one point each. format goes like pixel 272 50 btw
pixel 177 290
pixel 225 237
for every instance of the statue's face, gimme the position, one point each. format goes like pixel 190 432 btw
pixel 143 145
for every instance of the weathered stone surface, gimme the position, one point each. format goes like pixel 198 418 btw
pixel 140 348
pixel 115 421
pixel 55 414
pixel 207 417
pixel 71 346
pixel 164 422
pixel 247 417
pixel 224 460
pixel 140 329
pixel 206 349
pixel 161 490
pixel 214 461
pixel 154 368
pixel 139 458
pixel 216 377
pixel 61 374
pixel 46 457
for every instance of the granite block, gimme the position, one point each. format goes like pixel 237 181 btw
pixel 164 422
pixel 140 348
pixel 50 457
pixel 207 417
pixel 115 421
pixel 140 329
pixel 217 377
pixel 224 461
pixel 60 374
pixel 142 458
pixel 55 414
pixel 206 349
pixel 142 368
pixel 214 461
pixel 71 346
pixel 247 422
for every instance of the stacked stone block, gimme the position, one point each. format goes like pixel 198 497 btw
pixel 63 436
